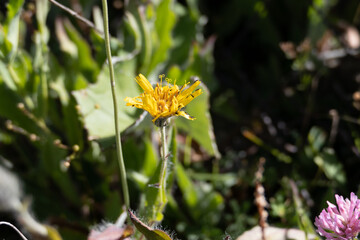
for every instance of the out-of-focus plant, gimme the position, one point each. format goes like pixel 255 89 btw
pixel 57 129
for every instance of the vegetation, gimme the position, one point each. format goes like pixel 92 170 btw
pixel 279 109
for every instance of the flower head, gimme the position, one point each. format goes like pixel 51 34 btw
pixel 341 221
pixel 163 101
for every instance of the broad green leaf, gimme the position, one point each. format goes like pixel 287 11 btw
pixel 20 69
pixel 184 34
pixel 5 47
pixel 5 77
pixel 142 160
pixel 96 104
pixel 134 31
pixel 12 28
pixel 42 10
pixel 164 23
pixel 66 45
pixel 145 29
pixel 316 138
pixel 331 166
pixel 98 18
pixel 64 116
pixel 68 117
pixel 186 186
pixel 13 8
pixel 201 128
pixel 84 61
pixel 149 233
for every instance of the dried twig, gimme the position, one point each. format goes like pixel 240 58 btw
pixel 76 15
pixel 260 199
pixel 12 127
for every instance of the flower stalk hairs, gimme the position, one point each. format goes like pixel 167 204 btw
pixel 341 221
pixel 163 101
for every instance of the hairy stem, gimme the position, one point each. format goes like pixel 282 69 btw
pixel 119 152
pixel 162 181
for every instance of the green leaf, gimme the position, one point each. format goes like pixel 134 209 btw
pixel 5 77
pixel 84 61
pixel 11 29
pixel 316 14
pixel 164 23
pixel 98 18
pixel 184 34
pixel 42 10
pixel 145 28
pixel 13 8
pixel 20 68
pixel 134 31
pixel 143 161
pixel 149 233
pixel 201 128
pixel 96 104
pixel 330 165
pixel 186 186
pixel 66 45
pixel 202 202
pixel 316 138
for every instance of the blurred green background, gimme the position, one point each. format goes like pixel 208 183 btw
pixel 280 79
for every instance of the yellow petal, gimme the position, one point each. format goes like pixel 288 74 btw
pixel 185 101
pixel 144 83
pixel 150 104
pixel 185 115
pixel 162 115
pixel 174 106
pixel 173 90
pixel 133 102
pixel 189 90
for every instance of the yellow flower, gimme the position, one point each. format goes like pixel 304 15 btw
pixel 163 101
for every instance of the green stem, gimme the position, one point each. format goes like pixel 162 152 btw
pixel 162 181
pixel 119 152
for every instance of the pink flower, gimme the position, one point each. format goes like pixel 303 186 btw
pixel 341 221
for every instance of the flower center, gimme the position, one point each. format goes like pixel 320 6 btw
pixel 162 107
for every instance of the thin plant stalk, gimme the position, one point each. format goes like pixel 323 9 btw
pixel 119 152
pixel 162 181
pixel 15 228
